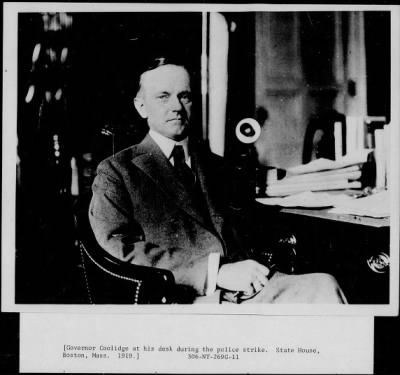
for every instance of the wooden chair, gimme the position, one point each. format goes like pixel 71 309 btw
pixel 109 280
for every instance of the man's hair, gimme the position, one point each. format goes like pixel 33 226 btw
pixel 158 61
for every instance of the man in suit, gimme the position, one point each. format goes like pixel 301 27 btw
pixel 165 203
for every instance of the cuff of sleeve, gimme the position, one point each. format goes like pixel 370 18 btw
pixel 213 267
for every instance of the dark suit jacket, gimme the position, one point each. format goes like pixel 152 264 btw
pixel 141 213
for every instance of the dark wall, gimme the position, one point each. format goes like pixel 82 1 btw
pixel 105 52
pixel 97 81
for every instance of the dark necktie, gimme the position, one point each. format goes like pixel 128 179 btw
pixel 188 179
pixel 183 171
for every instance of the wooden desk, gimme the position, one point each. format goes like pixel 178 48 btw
pixel 326 214
pixel 342 245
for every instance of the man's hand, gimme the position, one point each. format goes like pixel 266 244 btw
pixel 247 276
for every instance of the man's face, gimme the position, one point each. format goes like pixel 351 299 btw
pixel 165 100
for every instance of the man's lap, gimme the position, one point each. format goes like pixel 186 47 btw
pixel 307 288
pixel 282 288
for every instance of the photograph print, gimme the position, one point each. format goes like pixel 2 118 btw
pixel 203 157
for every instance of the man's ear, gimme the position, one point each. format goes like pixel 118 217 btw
pixel 140 107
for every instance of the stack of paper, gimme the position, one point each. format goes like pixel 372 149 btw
pixel 307 199
pixel 375 205
pixel 321 175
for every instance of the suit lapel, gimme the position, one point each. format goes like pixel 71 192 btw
pixel 151 160
pixel 207 188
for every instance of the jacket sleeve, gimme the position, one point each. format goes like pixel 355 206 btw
pixel 116 230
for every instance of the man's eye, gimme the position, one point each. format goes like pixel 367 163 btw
pixel 163 97
pixel 186 98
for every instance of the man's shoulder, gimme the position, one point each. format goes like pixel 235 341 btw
pixel 119 160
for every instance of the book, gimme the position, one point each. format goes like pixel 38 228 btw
pixel 355 134
pixel 338 135
pixel 388 148
pixel 276 191
pixel 359 157
pixel 351 172
pixel 380 161
pixel 307 199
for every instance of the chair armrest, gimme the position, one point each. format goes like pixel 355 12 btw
pixel 272 243
pixel 281 256
pixel 113 281
pixel 110 280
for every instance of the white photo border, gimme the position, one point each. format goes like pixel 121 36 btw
pixel 10 14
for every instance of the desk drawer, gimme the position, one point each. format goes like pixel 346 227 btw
pixel 357 255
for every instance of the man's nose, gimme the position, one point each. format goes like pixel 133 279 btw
pixel 176 104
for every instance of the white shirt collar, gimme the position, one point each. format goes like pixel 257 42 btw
pixel 167 144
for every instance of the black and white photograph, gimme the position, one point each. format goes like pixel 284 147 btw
pixel 200 159
pixel 266 180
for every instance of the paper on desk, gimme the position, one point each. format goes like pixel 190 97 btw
pixel 307 199
pixel 375 205
pixel 322 164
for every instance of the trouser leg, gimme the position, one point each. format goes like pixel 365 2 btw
pixel 308 288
